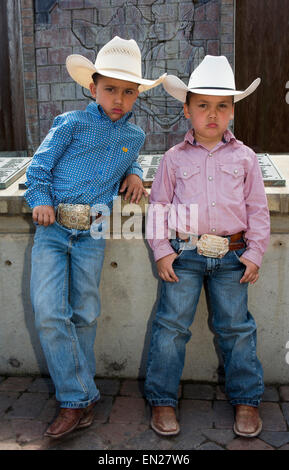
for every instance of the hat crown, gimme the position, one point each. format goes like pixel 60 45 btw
pixel 213 72
pixel 120 54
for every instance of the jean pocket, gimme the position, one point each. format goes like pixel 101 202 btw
pixel 239 253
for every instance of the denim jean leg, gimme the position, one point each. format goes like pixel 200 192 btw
pixel 170 333
pixel 236 332
pixel 67 362
pixel 87 256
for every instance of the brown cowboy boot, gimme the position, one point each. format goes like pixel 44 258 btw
pixel 67 420
pixel 164 421
pixel 247 421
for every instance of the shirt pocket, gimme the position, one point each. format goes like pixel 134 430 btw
pixel 188 183
pixel 232 180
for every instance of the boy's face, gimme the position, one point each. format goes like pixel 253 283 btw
pixel 115 96
pixel 210 116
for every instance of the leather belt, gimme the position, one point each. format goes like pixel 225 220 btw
pixel 234 244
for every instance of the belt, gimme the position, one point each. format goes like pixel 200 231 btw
pixel 75 216
pixel 234 243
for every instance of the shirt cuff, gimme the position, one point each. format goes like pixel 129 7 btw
pixel 163 250
pixel 40 200
pixel 254 256
pixel 134 171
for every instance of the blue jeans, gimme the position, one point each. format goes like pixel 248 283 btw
pixel 66 269
pixel 234 327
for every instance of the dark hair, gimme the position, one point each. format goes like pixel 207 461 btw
pixel 95 77
pixel 188 97
pixel 189 94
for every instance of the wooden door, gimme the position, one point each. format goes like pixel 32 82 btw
pixel 262 50
pixel 12 113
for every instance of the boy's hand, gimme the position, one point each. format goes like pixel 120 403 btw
pixel 165 268
pixel 44 215
pixel 134 188
pixel 251 274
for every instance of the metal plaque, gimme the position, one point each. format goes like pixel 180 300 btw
pixel 11 168
pixel 149 164
pixel 271 174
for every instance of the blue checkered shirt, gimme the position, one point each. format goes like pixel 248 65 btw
pixel 83 159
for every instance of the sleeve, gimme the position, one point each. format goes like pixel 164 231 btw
pixel 258 216
pixel 39 173
pixel 135 168
pixel 161 196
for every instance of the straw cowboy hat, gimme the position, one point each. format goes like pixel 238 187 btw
pixel 213 76
pixel 119 58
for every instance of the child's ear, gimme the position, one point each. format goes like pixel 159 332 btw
pixel 186 111
pixel 92 88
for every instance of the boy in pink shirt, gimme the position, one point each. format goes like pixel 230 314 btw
pixel 217 174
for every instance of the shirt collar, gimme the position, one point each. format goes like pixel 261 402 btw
pixel 228 136
pixel 97 110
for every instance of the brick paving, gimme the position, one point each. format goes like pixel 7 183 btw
pixel 122 418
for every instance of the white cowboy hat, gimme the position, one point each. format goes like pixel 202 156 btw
pixel 119 58
pixel 213 76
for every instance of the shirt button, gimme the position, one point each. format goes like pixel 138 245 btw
pixel 213 229
pixel 185 173
pixel 213 204
pixel 235 171
pixel 210 178
pixel 210 154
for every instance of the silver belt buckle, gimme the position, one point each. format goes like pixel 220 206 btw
pixel 74 216
pixel 212 246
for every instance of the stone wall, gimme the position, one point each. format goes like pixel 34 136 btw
pixel 173 36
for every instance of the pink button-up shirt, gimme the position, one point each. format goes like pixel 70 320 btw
pixel 226 186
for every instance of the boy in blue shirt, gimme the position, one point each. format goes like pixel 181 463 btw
pixel 80 164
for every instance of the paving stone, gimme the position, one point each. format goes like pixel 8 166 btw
pixel 15 384
pixel 272 417
pixel 210 446
pixel 103 409
pixel 286 447
pixel 248 444
pixel 276 439
pixel 284 392
pixel 7 400
pixel 80 440
pixel 27 430
pixel 220 436
pixel 9 445
pixel 148 440
pixel 6 431
pixel 49 411
pixel 42 384
pixel 115 435
pixel 198 391
pixel 132 388
pixel 29 405
pixel 220 393
pixel 108 386
pixel 285 410
pixel 187 439
pixel 223 415
pixel 198 414
pixel 128 410
pixel 270 393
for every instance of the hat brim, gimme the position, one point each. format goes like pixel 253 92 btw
pixel 176 88
pixel 81 70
